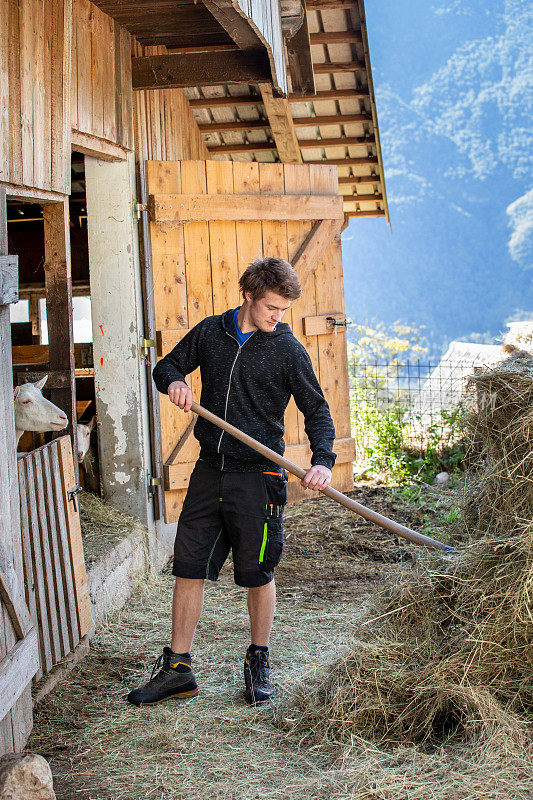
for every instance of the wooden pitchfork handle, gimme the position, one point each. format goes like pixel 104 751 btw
pixel 363 511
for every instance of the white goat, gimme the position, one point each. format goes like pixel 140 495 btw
pixel 33 412
pixel 84 438
pixel 88 457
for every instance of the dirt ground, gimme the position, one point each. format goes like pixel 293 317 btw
pixel 215 746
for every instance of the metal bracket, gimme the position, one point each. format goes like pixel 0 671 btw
pixel 72 495
pixel 146 344
pixel 138 209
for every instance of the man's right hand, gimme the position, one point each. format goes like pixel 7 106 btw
pixel 180 394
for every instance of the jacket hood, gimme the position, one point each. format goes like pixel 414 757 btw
pixel 227 323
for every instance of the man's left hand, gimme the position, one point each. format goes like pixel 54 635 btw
pixel 318 477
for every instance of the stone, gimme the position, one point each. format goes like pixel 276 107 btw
pixel 26 776
pixel 442 479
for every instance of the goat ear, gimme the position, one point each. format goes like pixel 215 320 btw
pixel 40 384
pixel 16 392
pixel 92 423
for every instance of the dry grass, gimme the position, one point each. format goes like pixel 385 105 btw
pixel 449 655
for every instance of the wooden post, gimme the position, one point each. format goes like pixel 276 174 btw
pixel 58 283
pixel 15 727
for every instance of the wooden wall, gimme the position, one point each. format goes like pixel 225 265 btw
pixel 34 93
pixel 101 95
pixel 165 128
pixel 66 72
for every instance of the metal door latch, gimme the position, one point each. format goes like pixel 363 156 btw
pixel 72 495
pixel 331 322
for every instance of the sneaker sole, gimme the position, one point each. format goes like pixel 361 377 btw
pixel 179 695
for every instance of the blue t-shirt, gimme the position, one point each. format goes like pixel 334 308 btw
pixel 241 337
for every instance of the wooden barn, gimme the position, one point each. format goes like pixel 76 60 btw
pixel 149 151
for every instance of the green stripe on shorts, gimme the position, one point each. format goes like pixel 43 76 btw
pixel 263 544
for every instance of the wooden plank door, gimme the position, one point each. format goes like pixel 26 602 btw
pixel 207 221
pixel 19 657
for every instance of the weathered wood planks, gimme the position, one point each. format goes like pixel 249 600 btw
pixel 54 569
pixel 101 99
pixel 35 115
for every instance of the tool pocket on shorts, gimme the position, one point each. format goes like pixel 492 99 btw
pixel 275 492
pixel 272 544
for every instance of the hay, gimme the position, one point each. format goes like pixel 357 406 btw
pixel 102 526
pixel 450 655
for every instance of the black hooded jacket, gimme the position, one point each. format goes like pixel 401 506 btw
pixel 249 386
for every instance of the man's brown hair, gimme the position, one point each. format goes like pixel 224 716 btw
pixel 270 274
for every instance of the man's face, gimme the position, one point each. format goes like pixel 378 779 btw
pixel 268 310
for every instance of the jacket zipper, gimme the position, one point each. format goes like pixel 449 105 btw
pixel 239 348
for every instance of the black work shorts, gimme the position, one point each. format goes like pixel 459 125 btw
pixel 238 511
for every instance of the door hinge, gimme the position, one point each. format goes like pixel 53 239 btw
pixel 146 344
pixel 152 484
pixel 138 208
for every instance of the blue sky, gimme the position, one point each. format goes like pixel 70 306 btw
pixel 453 83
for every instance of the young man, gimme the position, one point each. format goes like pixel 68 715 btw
pixel 250 364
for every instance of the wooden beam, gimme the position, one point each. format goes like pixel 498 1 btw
pixel 91 145
pixel 244 31
pixel 203 48
pixel 58 282
pixel 256 100
pixel 300 63
pixel 240 125
pixel 336 37
pixel 257 124
pixel 13 600
pixel 197 69
pixel 354 179
pixel 339 66
pixel 346 162
pixel 338 141
pixel 235 23
pixel 327 5
pixel 365 213
pixel 244 207
pixel 361 198
pixel 9 280
pixel 252 147
pixel 17 669
pixel 279 115
pixel 314 247
pixel 332 119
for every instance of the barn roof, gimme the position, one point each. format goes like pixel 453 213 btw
pixel 337 124
pixel 330 116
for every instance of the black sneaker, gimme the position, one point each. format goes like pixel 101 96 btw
pixel 174 679
pixel 256 677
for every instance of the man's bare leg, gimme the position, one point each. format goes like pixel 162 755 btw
pixel 187 604
pixel 261 608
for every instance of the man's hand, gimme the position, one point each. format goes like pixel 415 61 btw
pixel 318 477
pixel 180 394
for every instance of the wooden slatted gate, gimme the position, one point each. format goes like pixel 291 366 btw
pixel 56 587
pixel 207 221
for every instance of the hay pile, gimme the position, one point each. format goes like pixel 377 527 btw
pixel 449 654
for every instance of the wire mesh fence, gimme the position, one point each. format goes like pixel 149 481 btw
pixel 413 405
